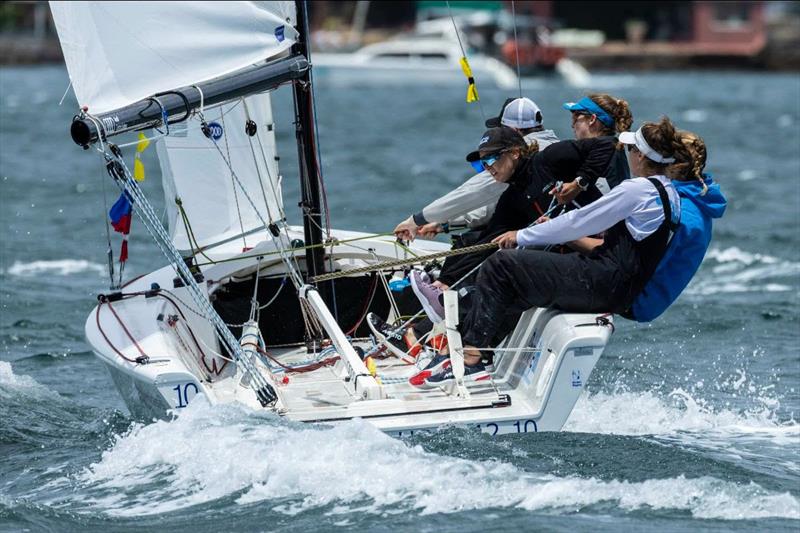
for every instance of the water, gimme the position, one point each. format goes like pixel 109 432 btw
pixel 689 423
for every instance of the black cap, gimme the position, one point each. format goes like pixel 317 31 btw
pixel 497 139
pixel 494 122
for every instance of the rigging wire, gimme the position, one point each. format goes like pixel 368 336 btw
pixel 264 391
pixel 255 161
pixel 296 278
pixel 109 251
pixel 516 45
pixel 233 185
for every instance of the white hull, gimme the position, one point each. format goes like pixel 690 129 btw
pixel 537 377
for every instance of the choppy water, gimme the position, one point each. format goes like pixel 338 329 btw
pixel 689 423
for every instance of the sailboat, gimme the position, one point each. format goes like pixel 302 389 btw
pixel 249 309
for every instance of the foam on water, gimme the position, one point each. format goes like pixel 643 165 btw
pixel 647 413
pixel 59 267
pixel 735 270
pixel 11 381
pixel 211 453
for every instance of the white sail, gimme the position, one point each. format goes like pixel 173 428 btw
pixel 120 52
pixel 196 172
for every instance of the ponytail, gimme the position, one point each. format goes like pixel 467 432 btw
pixel 617 108
pixel 690 159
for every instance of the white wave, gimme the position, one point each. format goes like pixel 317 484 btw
pixel 646 413
pixel 208 453
pixel 747 174
pixel 59 267
pixel 736 255
pixel 695 115
pixel 734 270
pixel 785 121
pixel 10 380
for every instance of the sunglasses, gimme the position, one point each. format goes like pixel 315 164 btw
pixel 490 160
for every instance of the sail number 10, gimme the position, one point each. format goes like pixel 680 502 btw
pixel 183 394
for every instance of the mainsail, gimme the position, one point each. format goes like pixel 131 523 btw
pixel 120 52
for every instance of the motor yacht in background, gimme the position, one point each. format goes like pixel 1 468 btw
pixel 415 59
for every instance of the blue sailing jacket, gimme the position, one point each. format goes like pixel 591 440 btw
pixel 685 251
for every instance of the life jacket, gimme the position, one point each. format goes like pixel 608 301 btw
pixel 618 169
pixel 683 255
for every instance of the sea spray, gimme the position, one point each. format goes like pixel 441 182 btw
pixel 208 453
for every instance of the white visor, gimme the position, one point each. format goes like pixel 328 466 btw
pixel 637 139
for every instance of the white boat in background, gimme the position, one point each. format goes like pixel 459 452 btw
pixel 413 59
pixel 250 309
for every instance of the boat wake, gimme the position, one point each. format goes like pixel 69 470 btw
pixel 207 454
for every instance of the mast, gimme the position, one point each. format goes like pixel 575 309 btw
pixel 310 174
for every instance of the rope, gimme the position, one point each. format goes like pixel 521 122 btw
pixel 333 242
pixel 280 287
pixel 255 160
pixel 365 309
pixel 122 175
pixel 405 262
pixel 109 250
pixel 296 278
pixel 233 185
pixel 296 369
pixel 470 78
pixel 193 244
pixel 474 269
pixel 103 333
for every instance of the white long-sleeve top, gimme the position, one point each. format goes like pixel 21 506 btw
pixel 635 200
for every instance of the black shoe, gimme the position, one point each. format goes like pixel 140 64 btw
pixel 390 337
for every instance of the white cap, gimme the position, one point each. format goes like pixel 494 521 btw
pixel 637 139
pixel 521 114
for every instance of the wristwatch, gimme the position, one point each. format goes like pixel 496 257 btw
pixel 582 182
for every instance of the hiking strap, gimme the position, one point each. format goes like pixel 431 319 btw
pixel 662 192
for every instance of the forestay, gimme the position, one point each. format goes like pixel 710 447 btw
pixel 120 52
pixel 197 173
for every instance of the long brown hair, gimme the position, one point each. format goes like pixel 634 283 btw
pixel 690 159
pixel 664 139
pixel 617 108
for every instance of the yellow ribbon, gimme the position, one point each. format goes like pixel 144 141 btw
pixel 138 167
pixel 472 91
